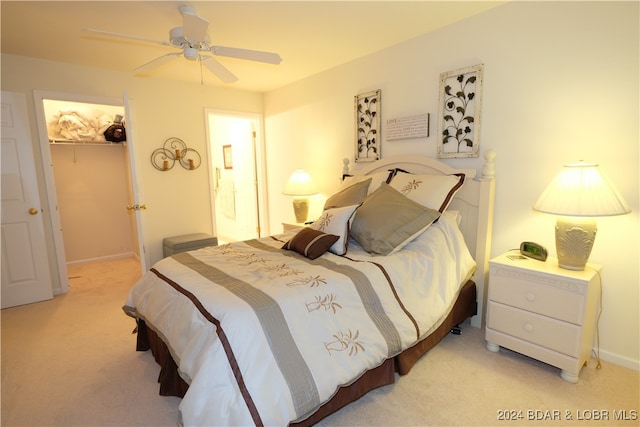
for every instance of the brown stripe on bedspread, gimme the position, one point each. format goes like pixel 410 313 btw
pixel 294 369
pixel 395 294
pixel 225 344
pixel 370 299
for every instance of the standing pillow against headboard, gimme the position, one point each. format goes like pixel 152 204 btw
pixel 376 179
pixel 387 221
pixel 431 191
pixel 352 195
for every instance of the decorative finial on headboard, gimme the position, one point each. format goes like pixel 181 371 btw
pixel 345 166
pixel 489 166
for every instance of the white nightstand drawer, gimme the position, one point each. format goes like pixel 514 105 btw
pixel 518 288
pixel 550 333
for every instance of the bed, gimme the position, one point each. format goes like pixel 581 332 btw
pixel 287 329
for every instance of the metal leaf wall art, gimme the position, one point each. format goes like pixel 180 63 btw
pixel 367 118
pixel 460 102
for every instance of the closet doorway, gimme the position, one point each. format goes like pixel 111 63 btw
pixel 89 180
pixel 237 175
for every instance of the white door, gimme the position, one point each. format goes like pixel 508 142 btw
pixel 137 205
pixel 25 266
pixel 234 157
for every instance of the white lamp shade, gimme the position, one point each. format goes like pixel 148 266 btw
pixel 300 184
pixel 581 189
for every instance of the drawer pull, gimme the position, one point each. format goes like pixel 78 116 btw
pixel 530 296
pixel 528 327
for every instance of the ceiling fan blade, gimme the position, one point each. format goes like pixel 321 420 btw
pixel 194 27
pixel 126 36
pixel 218 69
pixel 146 69
pixel 251 55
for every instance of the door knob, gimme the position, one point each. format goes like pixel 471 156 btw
pixel 136 207
pixel 33 211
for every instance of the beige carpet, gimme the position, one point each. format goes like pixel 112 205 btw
pixel 72 362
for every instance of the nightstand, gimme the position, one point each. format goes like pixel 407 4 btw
pixel 288 226
pixel 543 311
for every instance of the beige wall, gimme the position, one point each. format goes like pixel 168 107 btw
pixel 561 84
pixel 91 189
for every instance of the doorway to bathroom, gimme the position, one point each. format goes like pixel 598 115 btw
pixel 238 193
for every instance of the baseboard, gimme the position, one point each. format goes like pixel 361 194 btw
pixel 619 360
pixel 101 259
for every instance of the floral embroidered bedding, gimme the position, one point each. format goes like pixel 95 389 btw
pixel 265 335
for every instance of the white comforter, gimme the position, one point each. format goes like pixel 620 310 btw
pixel 265 336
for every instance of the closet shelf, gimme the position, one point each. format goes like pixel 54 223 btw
pixel 87 143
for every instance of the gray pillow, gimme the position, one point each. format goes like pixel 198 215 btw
pixel 386 221
pixel 353 195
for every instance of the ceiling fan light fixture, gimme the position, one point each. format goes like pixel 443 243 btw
pixel 191 53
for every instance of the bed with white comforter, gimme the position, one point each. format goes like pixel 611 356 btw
pixel 264 335
pixel 287 329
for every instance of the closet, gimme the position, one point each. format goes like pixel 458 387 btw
pixel 91 176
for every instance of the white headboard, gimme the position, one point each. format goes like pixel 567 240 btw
pixel 474 201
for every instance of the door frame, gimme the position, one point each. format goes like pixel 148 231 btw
pixel 49 178
pixel 260 165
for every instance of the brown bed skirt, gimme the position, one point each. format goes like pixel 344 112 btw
pixel 171 384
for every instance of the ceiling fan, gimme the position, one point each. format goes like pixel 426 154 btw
pixel 194 45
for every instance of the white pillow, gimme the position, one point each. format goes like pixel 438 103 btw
pixel 336 221
pixel 431 191
pixel 376 179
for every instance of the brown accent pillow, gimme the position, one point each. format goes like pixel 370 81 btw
pixel 310 243
pixel 352 195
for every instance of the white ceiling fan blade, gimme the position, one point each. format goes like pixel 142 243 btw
pixel 218 69
pixel 252 55
pixel 146 69
pixel 194 27
pixel 126 36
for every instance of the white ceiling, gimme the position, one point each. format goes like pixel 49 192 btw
pixel 310 36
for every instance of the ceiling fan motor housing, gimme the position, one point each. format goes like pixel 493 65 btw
pixel 190 50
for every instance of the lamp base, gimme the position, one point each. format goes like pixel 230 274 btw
pixel 301 209
pixel 574 241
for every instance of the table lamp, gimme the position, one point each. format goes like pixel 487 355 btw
pixel 580 192
pixel 300 186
